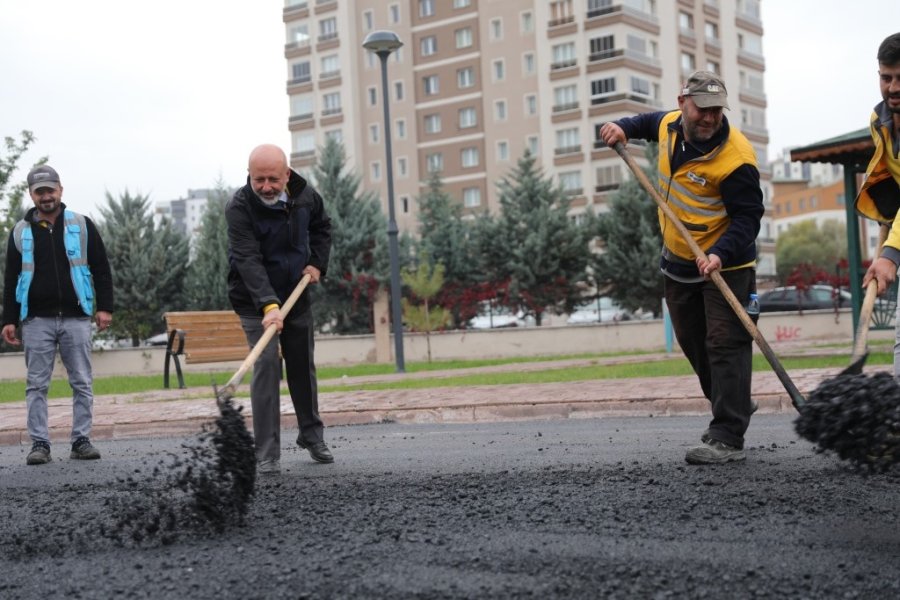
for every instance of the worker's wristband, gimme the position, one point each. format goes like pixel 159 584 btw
pixel 269 307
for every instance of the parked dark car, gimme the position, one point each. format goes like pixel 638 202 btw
pixel 815 297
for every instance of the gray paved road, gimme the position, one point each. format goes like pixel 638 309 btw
pixel 575 508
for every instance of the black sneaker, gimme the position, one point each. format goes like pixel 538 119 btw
pixel 39 455
pixel 82 449
pixel 318 451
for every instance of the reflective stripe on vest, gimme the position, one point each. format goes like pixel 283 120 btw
pixel 75 242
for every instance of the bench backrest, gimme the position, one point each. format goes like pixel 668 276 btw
pixel 209 336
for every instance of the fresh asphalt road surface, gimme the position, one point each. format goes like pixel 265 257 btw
pixel 571 508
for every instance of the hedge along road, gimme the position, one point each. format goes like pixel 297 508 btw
pixel 577 508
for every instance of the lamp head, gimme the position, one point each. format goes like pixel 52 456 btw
pixel 382 41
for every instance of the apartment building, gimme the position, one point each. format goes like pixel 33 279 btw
pixel 479 82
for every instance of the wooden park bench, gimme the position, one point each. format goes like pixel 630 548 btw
pixel 202 337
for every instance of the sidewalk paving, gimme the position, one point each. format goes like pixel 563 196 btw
pixel 183 412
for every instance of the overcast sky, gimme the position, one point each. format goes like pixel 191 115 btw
pixel 161 96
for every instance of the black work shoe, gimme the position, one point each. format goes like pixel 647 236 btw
pixel 39 455
pixel 318 451
pixel 82 449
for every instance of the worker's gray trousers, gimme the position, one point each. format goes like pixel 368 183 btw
pixel 297 348
pixel 42 336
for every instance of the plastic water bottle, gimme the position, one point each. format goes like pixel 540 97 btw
pixel 753 305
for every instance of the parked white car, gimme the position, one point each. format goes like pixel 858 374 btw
pixel 601 310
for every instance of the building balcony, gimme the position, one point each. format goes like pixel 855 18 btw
pixel 601 145
pixel 558 108
pixel 564 64
pixel 297 9
pixel 299 118
pixel 572 192
pixel 564 150
pixel 560 21
pixel 336 73
pixel 299 80
pixel 608 15
pixel 327 37
pixel 611 58
pixel 336 110
pixel 607 98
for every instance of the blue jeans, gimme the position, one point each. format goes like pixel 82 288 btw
pixel 41 337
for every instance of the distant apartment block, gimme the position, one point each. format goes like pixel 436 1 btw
pixel 479 82
pixel 186 214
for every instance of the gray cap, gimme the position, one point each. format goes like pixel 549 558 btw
pixel 43 176
pixel 707 89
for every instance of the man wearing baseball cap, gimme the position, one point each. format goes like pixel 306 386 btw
pixel 57 279
pixel 708 175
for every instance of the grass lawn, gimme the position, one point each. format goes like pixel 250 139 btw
pixel 330 377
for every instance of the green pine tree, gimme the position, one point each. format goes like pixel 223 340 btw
pixel 206 286
pixel 627 267
pixel 148 263
pixel 533 248
pixel 359 262
pixel 445 239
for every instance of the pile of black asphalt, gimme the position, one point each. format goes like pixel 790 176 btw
pixel 857 417
pixel 546 509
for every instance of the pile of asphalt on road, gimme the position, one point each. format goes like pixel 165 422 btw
pixel 857 417
pixel 209 490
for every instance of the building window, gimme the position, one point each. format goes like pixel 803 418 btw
pixel 465 77
pixel 531 105
pixel 428 45
pixel 526 24
pixel 461 3
pixel 688 63
pixel 299 35
pixel 304 144
pixel 331 66
pixel 373 133
pixel 570 182
pixel 601 89
pixel 464 37
pixel 331 104
pixel 328 29
pixel 335 134
pixel 750 42
pixel 433 123
pixel 499 70
pixel 426 8
pixel 565 98
pixel 496 29
pixel 402 166
pixel 568 141
pixel 471 197
pixel 404 203
pixel 603 47
pixel 712 32
pixel 401 129
pixel 503 151
pixel 563 56
pixel 531 143
pixel 468 157
pixel 713 66
pixel 528 64
pixel 435 162
pixel 300 72
pixel 376 171
pixel 398 90
pixel 302 106
pixel 368 20
pixel 640 86
pixel 394 13
pixel 500 110
pixel 467 118
pixel 430 85
pixel 609 177
pixel 686 22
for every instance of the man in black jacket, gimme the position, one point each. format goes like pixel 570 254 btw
pixel 57 273
pixel 278 232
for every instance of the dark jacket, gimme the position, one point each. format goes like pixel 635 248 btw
pixel 52 293
pixel 740 191
pixel 268 247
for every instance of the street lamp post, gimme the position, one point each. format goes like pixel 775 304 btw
pixel 383 43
